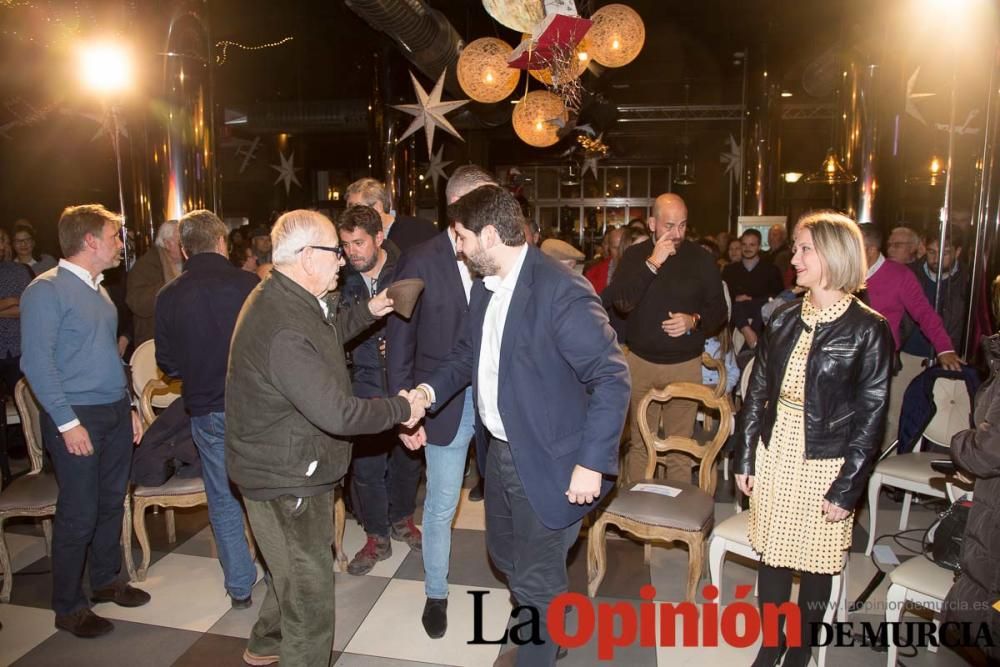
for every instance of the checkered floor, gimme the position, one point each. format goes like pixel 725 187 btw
pixel 190 622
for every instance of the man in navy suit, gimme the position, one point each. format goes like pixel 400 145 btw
pixel 415 348
pixel 404 230
pixel 551 392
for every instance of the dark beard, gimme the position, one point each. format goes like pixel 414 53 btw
pixel 367 266
pixel 481 263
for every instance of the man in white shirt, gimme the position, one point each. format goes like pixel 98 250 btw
pixel 551 392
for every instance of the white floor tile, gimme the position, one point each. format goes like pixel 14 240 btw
pixel 187 593
pixel 393 629
pixel 24 628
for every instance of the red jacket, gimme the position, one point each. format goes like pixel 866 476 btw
pixel 598 274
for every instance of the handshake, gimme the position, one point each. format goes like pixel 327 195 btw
pixel 420 400
pixel 411 433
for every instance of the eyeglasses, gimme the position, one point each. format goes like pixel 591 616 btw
pixel 335 249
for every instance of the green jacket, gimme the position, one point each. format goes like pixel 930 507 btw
pixel 289 406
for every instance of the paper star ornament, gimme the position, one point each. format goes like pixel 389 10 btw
pixel 435 170
pixel 286 172
pixel 911 105
pixel 731 158
pixel 429 112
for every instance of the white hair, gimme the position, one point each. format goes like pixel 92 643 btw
pixel 166 232
pixel 295 230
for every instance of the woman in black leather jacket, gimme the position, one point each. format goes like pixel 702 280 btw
pixel 811 423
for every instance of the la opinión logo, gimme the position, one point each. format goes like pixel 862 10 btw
pixel 739 624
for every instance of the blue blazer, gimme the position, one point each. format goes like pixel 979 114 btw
pixel 416 347
pixel 563 385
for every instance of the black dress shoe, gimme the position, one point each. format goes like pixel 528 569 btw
pixel 435 617
pixel 241 603
pixel 562 653
pixel 476 492
pixel 121 594
pixel 84 623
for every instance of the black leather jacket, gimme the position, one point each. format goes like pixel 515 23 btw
pixel 846 393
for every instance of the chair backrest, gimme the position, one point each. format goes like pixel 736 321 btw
pixel 144 369
pixel 707 454
pixel 156 393
pixel 952 410
pixel 31 422
pixel 719 366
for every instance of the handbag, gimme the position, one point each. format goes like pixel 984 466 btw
pixel 949 533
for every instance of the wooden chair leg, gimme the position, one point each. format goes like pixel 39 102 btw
pixel 127 538
pixel 5 567
pixel 339 525
pixel 696 556
pixel 171 526
pixel 47 532
pixel 139 525
pixel 596 556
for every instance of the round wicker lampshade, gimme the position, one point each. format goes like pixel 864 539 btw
pixel 617 35
pixel 580 60
pixel 532 115
pixel 483 72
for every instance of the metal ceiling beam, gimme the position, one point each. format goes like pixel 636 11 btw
pixel 649 113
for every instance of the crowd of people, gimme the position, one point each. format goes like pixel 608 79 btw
pixel 298 375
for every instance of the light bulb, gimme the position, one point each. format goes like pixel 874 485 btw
pixel 615 44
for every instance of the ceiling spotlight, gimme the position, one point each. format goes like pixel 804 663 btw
pixel 786 93
pixel 105 67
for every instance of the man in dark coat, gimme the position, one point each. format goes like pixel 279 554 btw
pixel 403 230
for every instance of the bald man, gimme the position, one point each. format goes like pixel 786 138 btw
pixel 671 291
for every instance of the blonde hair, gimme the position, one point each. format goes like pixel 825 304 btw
pixel 839 242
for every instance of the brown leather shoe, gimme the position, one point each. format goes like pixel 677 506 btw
pixel 258 660
pixel 84 623
pixel 121 594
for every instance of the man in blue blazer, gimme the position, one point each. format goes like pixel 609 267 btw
pixel 415 348
pixel 551 392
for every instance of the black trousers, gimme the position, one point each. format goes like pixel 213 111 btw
pixel 385 476
pixel 88 524
pixel 530 555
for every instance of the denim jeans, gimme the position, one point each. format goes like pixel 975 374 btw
pixel 385 475
pixel 224 510
pixel 88 523
pixel 445 471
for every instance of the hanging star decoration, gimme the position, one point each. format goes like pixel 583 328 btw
pixel 731 158
pixel 594 150
pixel 248 151
pixel 429 112
pixel 911 105
pixel 110 121
pixel 286 172
pixel 435 170
pixel 964 127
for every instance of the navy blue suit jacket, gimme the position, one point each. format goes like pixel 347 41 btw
pixel 416 347
pixel 563 385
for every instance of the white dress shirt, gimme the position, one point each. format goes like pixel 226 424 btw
pixel 489 352
pixel 83 274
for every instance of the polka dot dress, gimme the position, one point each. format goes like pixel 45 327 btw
pixel 786 523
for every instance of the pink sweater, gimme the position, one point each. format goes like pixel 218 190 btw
pixel 894 290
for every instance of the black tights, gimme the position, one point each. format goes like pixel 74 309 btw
pixel 774 586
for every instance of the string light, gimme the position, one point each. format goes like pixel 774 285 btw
pixel 225 44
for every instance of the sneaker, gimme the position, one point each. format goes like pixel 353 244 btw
pixel 407 531
pixel 258 660
pixel 84 623
pixel 435 617
pixel 121 594
pixel 375 549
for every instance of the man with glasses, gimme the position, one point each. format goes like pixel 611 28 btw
pixel 384 474
pixel 287 392
pixel 671 291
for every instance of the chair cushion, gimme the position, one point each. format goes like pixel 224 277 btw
pixel 692 509
pixel 923 576
pixel 913 467
pixel 734 529
pixel 175 486
pixel 30 492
